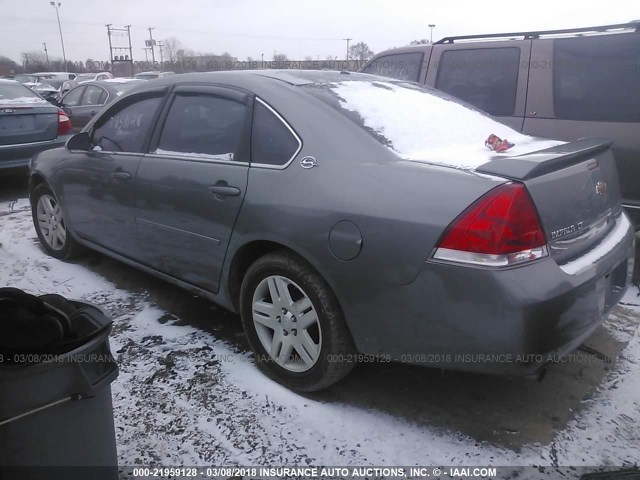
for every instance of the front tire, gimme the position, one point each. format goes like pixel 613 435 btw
pixel 294 323
pixel 50 224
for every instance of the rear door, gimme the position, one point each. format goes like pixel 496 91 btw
pixel 70 102
pixel 590 87
pixel 92 101
pixel 409 65
pixel 98 184
pixel 491 76
pixel 190 187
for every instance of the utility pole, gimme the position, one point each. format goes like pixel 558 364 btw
pixel 432 26
pixel 146 53
pixel 151 42
pixel 347 40
pixel 128 27
pixel 46 53
pixel 108 25
pixel 64 56
pixel 160 47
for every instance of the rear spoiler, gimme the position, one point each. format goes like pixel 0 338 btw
pixel 536 164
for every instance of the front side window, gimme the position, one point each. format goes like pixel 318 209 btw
pixel 272 142
pixel 597 78
pixel 72 99
pixel 484 77
pixel 401 66
pixel 92 95
pixel 203 126
pixel 125 129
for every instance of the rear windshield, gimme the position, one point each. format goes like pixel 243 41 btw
pixel 26 78
pixel 84 77
pixel 419 123
pixel 50 85
pixel 15 93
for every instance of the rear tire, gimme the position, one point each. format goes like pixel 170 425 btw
pixel 294 323
pixel 50 224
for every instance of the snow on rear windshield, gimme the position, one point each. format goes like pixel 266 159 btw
pixel 17 93
pixel 420 124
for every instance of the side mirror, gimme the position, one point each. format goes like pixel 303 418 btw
pixel 80 141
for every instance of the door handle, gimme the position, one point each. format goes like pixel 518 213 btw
pixel 120 175
pixel 92 113
pixel 224 190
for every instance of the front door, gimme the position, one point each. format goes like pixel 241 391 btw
pixel 190 187
pixel 98 185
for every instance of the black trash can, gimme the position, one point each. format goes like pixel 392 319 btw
pixel 55 410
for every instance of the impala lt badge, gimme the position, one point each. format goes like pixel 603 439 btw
pixel 561 232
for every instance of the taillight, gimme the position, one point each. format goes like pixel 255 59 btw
pixel 64 123
pixel 501 228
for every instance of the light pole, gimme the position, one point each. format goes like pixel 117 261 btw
pixel 262 59
pixel 432 26
pixel 64 56
pixel 347 40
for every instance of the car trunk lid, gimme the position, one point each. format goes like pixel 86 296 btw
pixel 27 123
pixel 575 189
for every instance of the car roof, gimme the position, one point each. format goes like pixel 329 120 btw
pixel 8 80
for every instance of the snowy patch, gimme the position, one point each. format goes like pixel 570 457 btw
pixel 17 100
pixel 425 127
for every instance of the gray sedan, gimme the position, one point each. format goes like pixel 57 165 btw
pixel 346 218
pixel 28 125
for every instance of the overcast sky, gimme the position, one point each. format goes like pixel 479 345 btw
pixel 297 28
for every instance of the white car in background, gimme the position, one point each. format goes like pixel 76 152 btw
pixel 152 75
pixel 93 77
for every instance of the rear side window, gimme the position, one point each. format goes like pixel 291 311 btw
pixel 597 78
pixel 92 95
pixel 484 77
pixel 272 142
pixel 72 99
pixel 203 126
pixel 401 66
pixel 126 129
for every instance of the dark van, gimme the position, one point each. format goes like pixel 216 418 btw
pixel 561 84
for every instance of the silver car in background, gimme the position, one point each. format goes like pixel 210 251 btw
pixel 347 217
pixel 28 125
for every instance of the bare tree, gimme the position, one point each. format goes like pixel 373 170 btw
pixel 171 45
pixel 279 57
pixel 422 41
pixel 360 51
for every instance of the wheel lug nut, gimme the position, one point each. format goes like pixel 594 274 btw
pixel 284 311
pixel 278 319
pixel 294 332
pixel 285 333
pixel 293 318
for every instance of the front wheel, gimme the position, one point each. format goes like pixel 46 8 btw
pixel 50 224
pixel 294 324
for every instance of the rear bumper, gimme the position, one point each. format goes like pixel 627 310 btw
pixel 501 321
pixel 18 156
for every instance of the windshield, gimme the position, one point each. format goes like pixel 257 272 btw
pixel 14 93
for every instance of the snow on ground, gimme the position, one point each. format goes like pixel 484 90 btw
pixel 186 397
pixel 428 127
